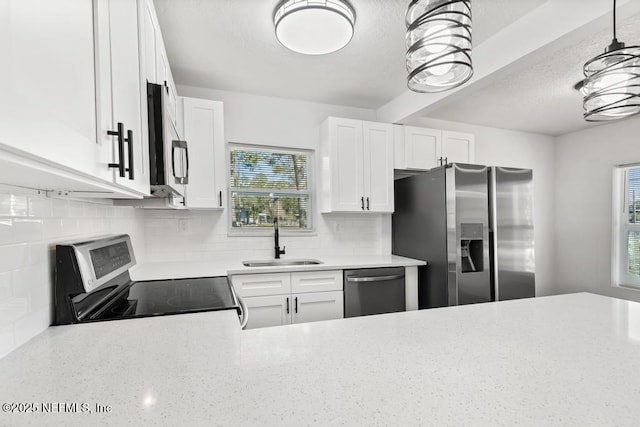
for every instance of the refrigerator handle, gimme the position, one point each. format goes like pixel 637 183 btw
pixel 493 277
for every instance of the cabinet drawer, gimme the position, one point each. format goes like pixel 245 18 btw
pixel 316 281
pixel 252 285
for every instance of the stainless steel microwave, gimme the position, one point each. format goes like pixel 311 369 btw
pixel 168 154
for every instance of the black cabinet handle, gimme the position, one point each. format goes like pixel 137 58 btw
pixel 120 134
pixel 130 153
pixel 367 203
pixel 287 305
pixel 220 198
pixel 296 304
pixel 362 202
pixel 446 160
pixel 439 161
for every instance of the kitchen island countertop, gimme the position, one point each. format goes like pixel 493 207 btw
pixel 560 360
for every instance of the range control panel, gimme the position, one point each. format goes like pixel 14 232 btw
pixel 109 258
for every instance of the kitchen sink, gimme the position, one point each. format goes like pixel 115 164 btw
pixel 280 262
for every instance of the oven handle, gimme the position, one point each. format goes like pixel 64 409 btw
pixel 244 313
pixel 375 278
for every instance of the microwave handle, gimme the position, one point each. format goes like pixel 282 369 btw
pixel 179 144
pixel 186 156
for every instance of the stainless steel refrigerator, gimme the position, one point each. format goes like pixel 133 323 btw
pixel 474 226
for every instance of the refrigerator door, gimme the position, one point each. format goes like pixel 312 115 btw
pixel 467 198
pixel 512 233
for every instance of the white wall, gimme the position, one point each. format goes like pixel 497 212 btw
pixel 499 147
pixel 171 235
pixel 584 180
pixel 30 226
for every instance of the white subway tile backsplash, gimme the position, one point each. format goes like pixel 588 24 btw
pixel 27 230
pixel 39 207
pixel 76 209
pixel 6 231
pixel 30 226
pixel 182 235
pixel 13 205
pixel 13 257
pixel 60 208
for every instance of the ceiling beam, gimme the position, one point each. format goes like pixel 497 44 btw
pixel 551 26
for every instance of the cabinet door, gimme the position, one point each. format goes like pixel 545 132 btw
pixel 316 306
pixel 345 151
pixel 458 147
pixel 422 148
pixel 268 311
pixel 47 82
pixel 126 95
pixel 316 281
pixel 378 166
pixel 148 42
pixel 204 132
pixel 250 285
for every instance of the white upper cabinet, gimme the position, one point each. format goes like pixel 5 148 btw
pixel 417 148
pixel 378 166
pixel 204 133
pixel 70 72
pixel 155 61
pixel 122 130
pixel 48 104
pixel 357 166
pixel 458 147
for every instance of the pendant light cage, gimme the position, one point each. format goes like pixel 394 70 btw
pixel 438 43
pixel 612 85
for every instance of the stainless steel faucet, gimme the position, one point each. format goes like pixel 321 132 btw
pixel 276 236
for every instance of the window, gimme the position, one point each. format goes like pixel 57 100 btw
pixel 266 183
pixel 627 225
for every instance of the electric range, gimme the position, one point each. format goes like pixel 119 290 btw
pixel 92 283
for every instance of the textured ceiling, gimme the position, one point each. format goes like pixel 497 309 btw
pixel 540 98
pixel 231 45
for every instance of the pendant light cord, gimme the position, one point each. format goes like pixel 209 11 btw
pixel 614 20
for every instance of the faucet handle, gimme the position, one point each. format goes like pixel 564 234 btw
pixel 282 250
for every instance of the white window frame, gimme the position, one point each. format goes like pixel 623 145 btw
pixel 621 228
pixel 248 231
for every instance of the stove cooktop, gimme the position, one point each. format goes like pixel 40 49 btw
pixel 174 296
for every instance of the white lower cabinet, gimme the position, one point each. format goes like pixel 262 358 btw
pixel 273 310
pixel 275 299
pixel 316 306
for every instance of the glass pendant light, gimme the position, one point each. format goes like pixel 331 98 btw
pixel 611 87
pixel 438 44
pixel 314 27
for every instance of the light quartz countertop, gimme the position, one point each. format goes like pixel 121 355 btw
pixel 176 270
pixel 561 360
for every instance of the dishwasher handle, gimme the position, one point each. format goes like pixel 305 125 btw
pixel 375 278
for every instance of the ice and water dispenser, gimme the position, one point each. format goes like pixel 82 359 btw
pixel 471 247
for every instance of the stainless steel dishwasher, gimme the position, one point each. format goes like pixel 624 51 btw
pixel 373 291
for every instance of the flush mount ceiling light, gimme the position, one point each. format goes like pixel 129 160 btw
pixel 314 27
pixel 438 44
pixel 611 87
